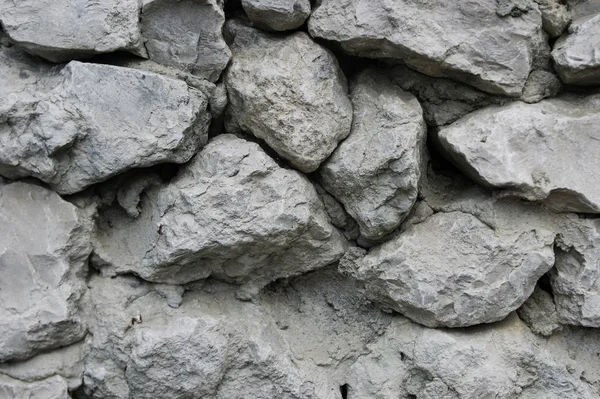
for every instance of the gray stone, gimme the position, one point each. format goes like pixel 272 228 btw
pixel 576 55
pixel 298 105
pixel 478 43
pixel 443 100
pixel 375 172
pixel 583 8
pixel 44 249
pixel 576 278
pixel 278 15
pixel 186 34
pixel 338 215
pixel 555 16
pixel 540 85
pixel 62 30
pixel 453 270
pixel 85 123
pixel 541 152
pixel 233 213
pixel 539 313
pixel 53 387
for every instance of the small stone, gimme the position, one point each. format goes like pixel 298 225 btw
pixel 277 15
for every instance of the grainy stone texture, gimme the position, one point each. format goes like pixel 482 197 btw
pixel 264 223
pixel 541 152
pixel 375 172
pixel 489 44
pixel 576 55
pixel 84 123
pixel 555 16
pixel 539 313
pixel 298 104
pixel 540 85
pixel 44 246
pixel 277 15
pixel 186 34
pixel 583 8
pixel 62 30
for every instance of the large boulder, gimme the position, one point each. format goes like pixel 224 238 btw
pixel 44 247
pixel 80 125
pixel 277 15
pixel 290 92
pixel 492 45
pixel 542 152
pixel 576 55
pixel 233 213
pixel 62 30
pixel 375 172
pixel 186 34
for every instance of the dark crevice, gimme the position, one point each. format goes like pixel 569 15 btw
pixel 344 391
pixel 281 162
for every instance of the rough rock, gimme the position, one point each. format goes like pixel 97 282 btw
pixel 583 8
pixel 62 30
pixel 540 85
pixel 504 360
pixel 308 339
pixel 575 279
pixel 443 100
pixel 233 213
pixel 576 55
pixel 44 249
pixel 539 313
pixel 375 172
pixel 84 123
pixel 466 273
pixel 489 44
pixel 542 151
pixel 186 34
pixel 555 16
pixel 298 105
pixel 338 215
pixel 277 15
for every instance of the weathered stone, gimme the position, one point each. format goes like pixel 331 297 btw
pixel 555 16
pixel 542 151
pixel 87 122
pixel 475 42
pixel 233 213
pixel 576 278
pixel 540 85
pixel 502 361
pixel 375 172
pixel 298 105
pixel 453 270
pixel 539 313
pixel 583 8
pixel 62 30
pixel 186 34
pixel 277 15
pixel 338 215
pixel 53 387
pixel 44 248
pixel 576 55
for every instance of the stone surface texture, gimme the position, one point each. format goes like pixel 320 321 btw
pixel 489 44
pixel 576 55
pixel 84 123
pixel 290 92
pixel 277 15
pixel 375 172
pixel 541 152
pixel 297 199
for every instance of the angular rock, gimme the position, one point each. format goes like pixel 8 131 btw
pixel 583 8
pixel 53 387
pixel 233 213
pixel 488 44
pixel 62 30
pixel 576 55
pixel 576 278
pixel 453 270
pixel 44 249
pixel 298 105
pixel 278 15
pixel 443 100
pixel 186 34
pixel 85 123
pixel 540 85
pixel 555 16
pixel 541 152
pixel 539 313
pixel 376 171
